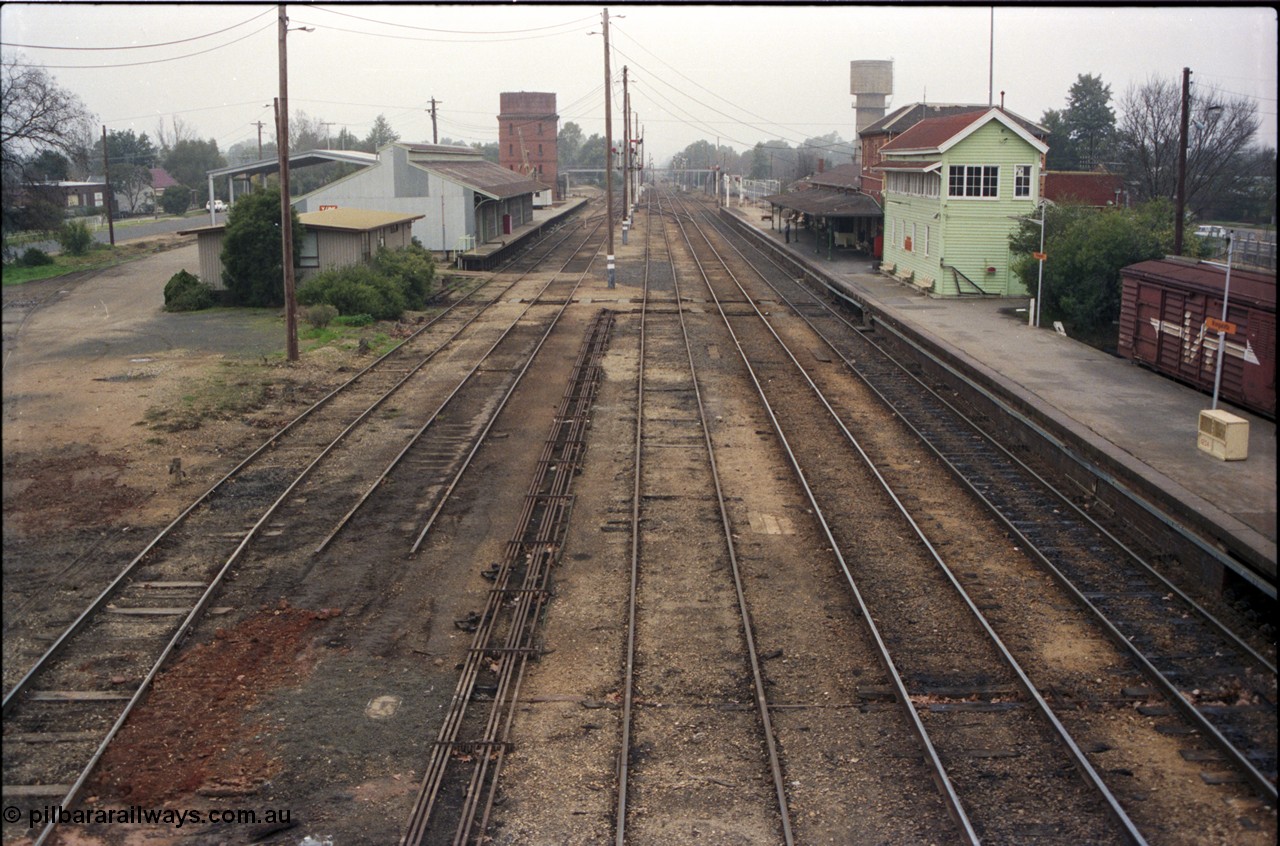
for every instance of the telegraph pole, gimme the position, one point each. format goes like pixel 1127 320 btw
pixel 435 139
pixel 106 177
pixel 608 148
pixel 1180 201
pixel 286 218
pixel 626 146
pixel 262 177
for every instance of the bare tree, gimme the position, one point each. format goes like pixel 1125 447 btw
pixel 178 130
pixel 1221 129
pixel 38 113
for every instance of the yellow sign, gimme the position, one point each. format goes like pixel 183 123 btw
pixel 1219 325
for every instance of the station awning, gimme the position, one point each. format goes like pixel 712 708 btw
pixel 822 202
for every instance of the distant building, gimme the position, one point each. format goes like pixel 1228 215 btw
pixel 70 196
pixel 1098 188
pixel 528 127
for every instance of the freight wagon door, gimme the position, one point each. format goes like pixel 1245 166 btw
pixel 1148 325
pixel 1260 378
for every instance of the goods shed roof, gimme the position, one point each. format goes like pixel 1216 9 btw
pixel 822 202
pixel 484 177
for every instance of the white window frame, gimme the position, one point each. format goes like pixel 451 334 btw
pixel 1022 181
pixel 926 239
pixel 974 182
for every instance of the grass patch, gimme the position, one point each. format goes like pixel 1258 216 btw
pixel 231 390
pixel 98 257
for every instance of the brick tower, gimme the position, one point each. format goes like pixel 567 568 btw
pixel 527 130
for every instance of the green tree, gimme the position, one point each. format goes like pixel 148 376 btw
pixel 1086 250
pixel 252 266
pixel 48 166
pixel 189 163
pixel 1089 118
pixel 127 148
pixel 380 135
pixel 132 181
pixel 1063 153
pixel 569 145
pixel 176 199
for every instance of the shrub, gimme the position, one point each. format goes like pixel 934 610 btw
pixel 353 320
pixel 252 263
pixel 176 199
pixel 185 292
pixel 35 257
pixel 75 237
pixel 321 315
pixel 413 269
pixel 355 290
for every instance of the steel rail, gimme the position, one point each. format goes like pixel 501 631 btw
pixel 1165 584
pixel 432 781
pixel 568 300
pixel 1081 761
pixel 548 494
pixel 101 600
pixel 1223 558
pixel 197 610
pixel 757 675
pixel 417 435
pixel 628 671
pixel 1239 757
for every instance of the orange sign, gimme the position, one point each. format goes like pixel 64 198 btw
pixel 1219 325
pixel 1039 256
pixel 326 208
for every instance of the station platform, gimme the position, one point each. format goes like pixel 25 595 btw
pixel 1145 423
pixel 491 253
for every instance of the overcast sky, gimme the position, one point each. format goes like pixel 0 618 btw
pixel 744 73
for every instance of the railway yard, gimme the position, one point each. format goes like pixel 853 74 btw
pixel 703 557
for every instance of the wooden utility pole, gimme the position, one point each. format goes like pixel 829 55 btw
pixel 286 217
pixel 106 177
pixel 626 147
pixel 1180 201
pixel 608 148
pixel 262 177
pixel 435 138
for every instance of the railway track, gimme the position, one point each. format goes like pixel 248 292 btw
pixel 63 713
pixel 1213 678
pixel 1000 755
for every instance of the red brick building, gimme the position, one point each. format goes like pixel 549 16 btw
pixel 527 129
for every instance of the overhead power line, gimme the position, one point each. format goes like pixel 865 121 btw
pixel 269 25
pixel 138 46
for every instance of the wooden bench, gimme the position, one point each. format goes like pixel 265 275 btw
pixel 888 268
pixel 766 217
pixel 924 283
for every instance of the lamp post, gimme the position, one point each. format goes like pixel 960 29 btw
pixel 1222 335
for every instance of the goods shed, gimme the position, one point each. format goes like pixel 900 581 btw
pixel 1164 308
pixel 831 218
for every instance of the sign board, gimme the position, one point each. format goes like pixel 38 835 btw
pixel 326 208
pixel 1039 256
pixel 1215 325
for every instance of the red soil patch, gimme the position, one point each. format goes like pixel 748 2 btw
pixel 194 733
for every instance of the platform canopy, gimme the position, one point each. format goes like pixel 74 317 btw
pixel 828 203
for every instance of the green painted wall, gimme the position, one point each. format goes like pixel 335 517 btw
pixel 968 233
